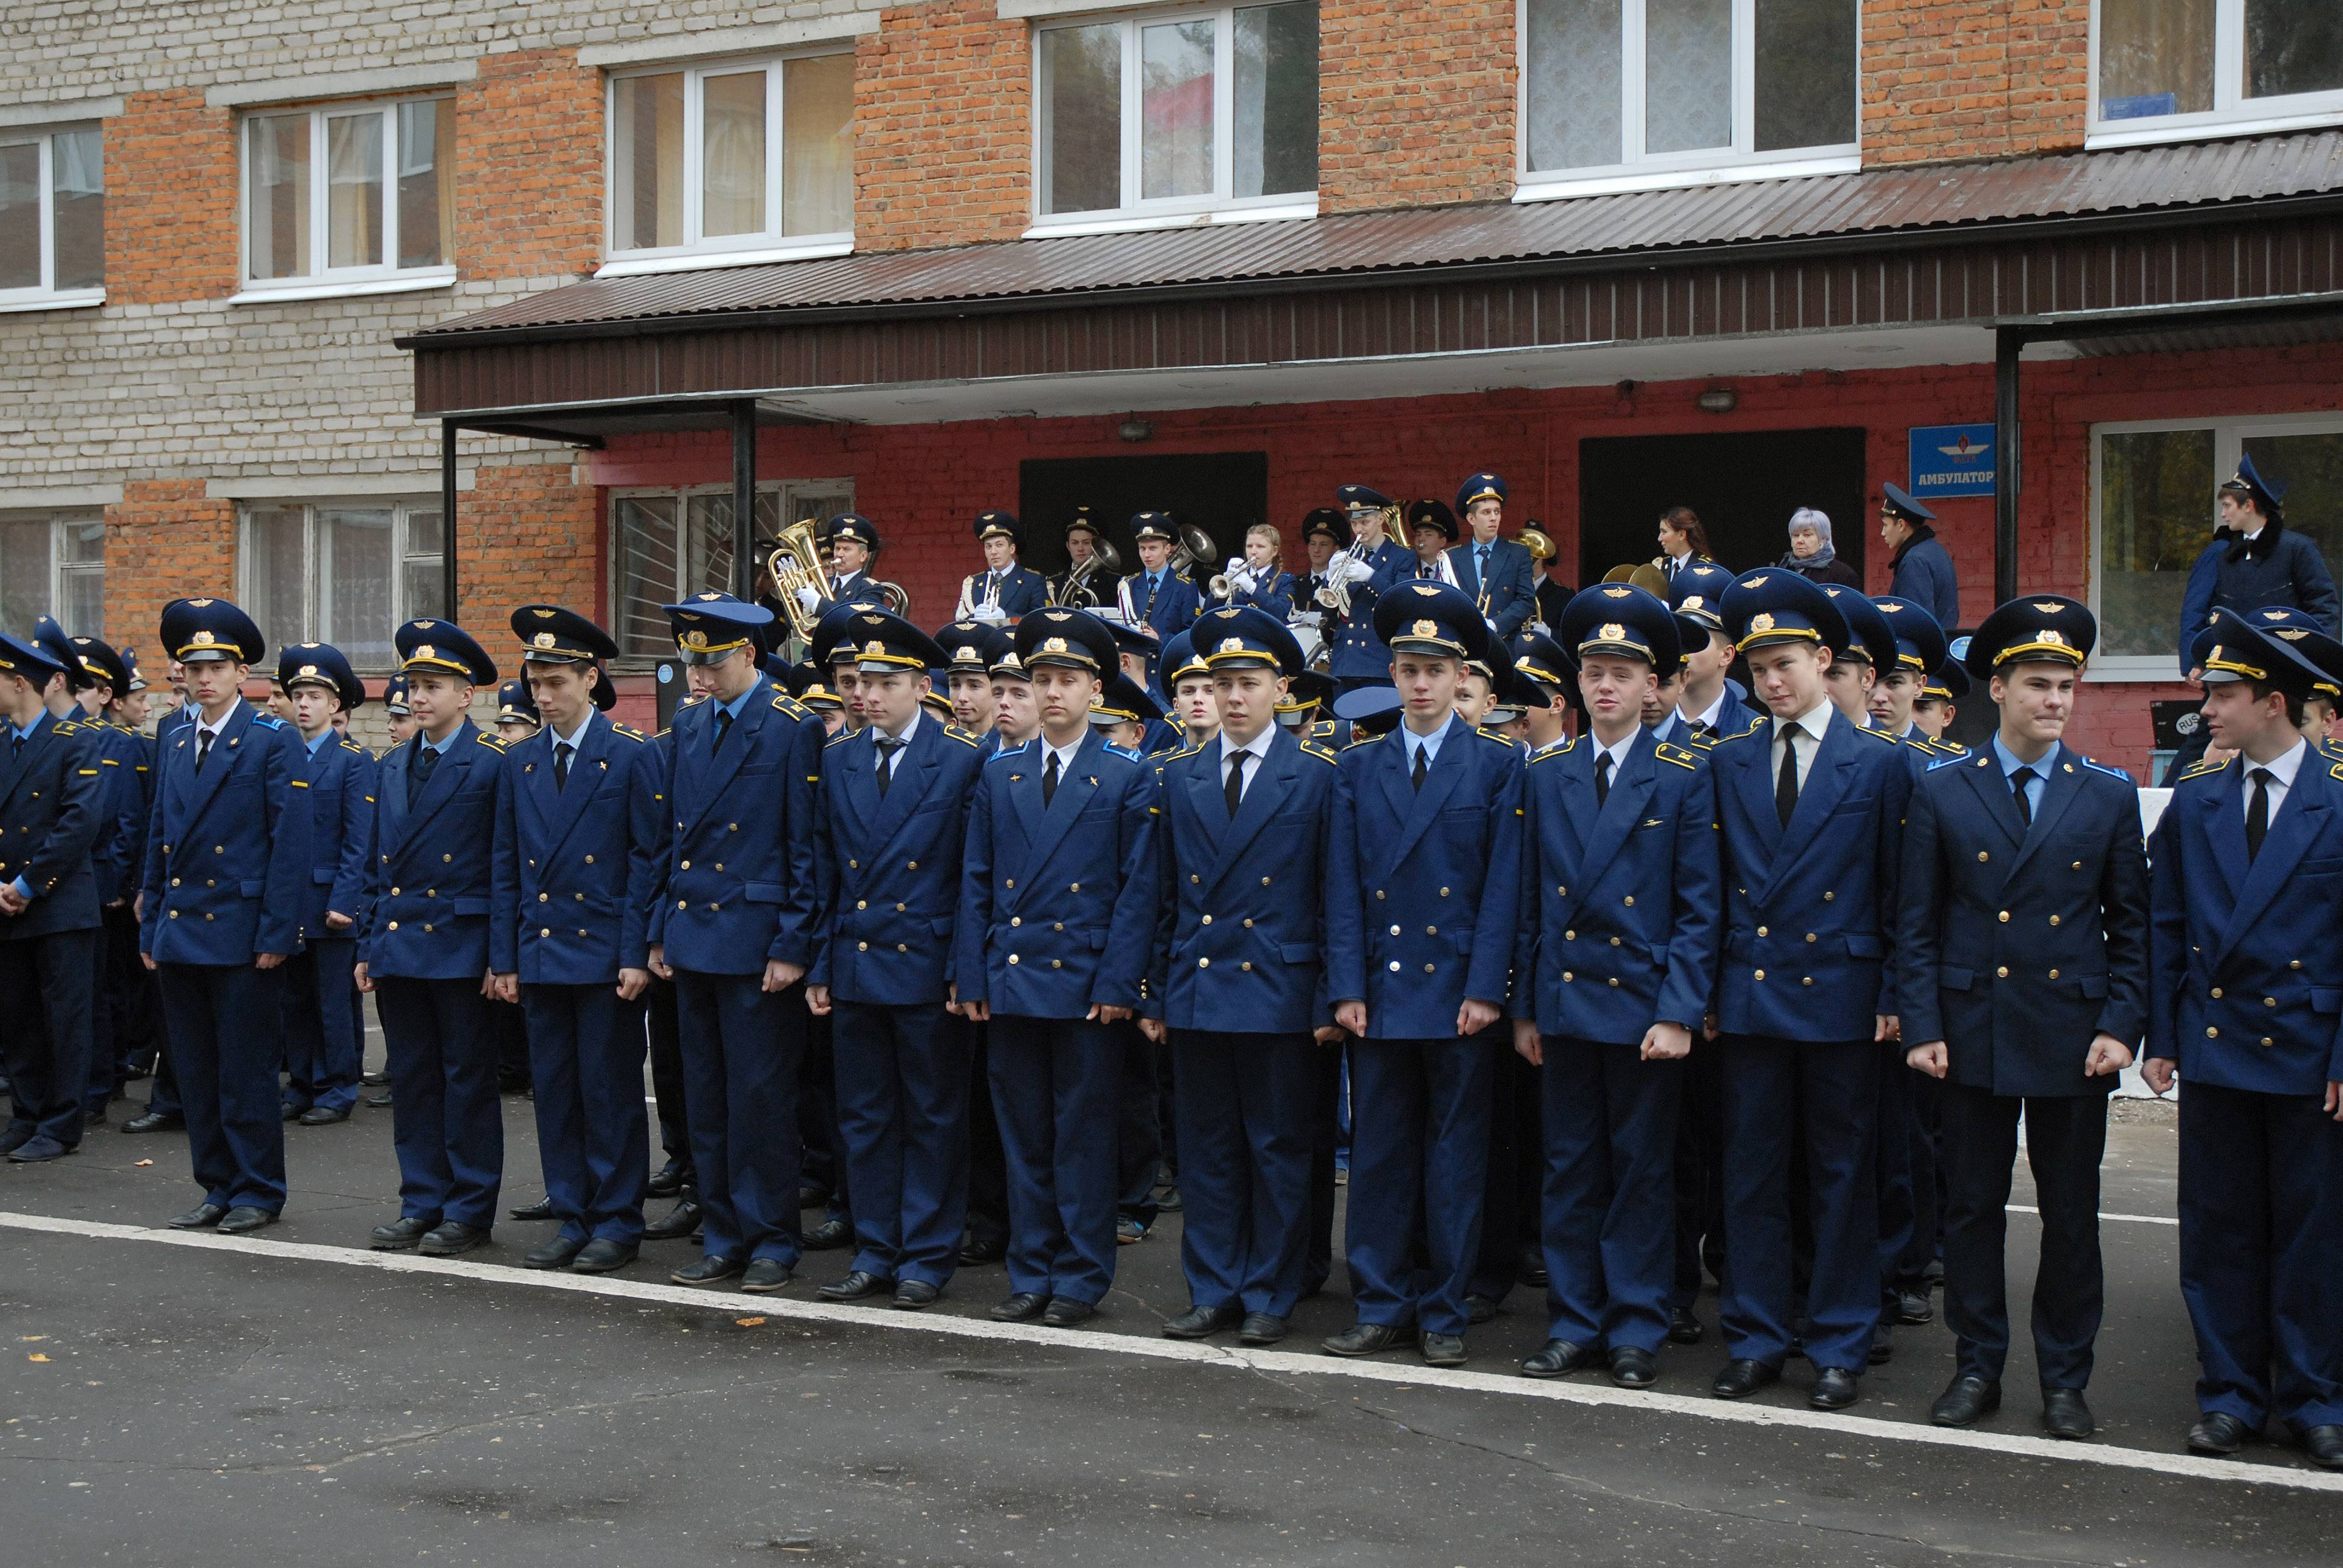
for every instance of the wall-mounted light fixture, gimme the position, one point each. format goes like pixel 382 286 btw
pixel 1719 400
pixel 1136 430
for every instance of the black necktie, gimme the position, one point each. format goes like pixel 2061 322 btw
pixel 562 753
pixel 17 748
pixel 1236 780
pixel 1786 788
pixel 888 747
pixel 202 747
pixel 723 728
pixel 1481 566
pixel 2258 813
pixel 1703 729
pixel 1602 778
pixel 1049 779
pixel 1423 760
pixel 419 766
pixel 2019 783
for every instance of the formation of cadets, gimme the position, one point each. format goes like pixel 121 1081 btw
pixel 1752 977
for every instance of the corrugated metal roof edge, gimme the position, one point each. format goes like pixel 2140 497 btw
pixel 455 334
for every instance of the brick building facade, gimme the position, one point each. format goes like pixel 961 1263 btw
pixel 231 411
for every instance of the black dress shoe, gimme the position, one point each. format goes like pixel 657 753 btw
pixel 2323 1446
pixel 1362 1340
pixel 156 1122
pixel 1442 1350
pixel 40 1150
pixel 1966 1401
pixel 2218 1434
pixel 601 1257
pixel 243 1222
pixel 1742 1377
pixel 453 1236
pixel 558 1253
pixel 1836 1388
pixel 1883 1342
pixel 912 1294
pixel 401 1233
pixel 859 1285
pixel 667 1180
pixel 829 1236
pixel 765 1275
pixel 1022 1308
pixel 374 1079
pixel 1197 1323
pixel 1479 1309
pixel 288 1111
pixel 1912 1307
pixel 1633 1368
pixel 1557 1358
pixel 681 1220
pixel 1684 1329
pixel 976 1252
pixel 94 1118
pixel 2064 1414
pixel 323 1116
pixel 1530 1268
pixel 1931 1273
pixel 709 1270
pixel 379 1101
pixel 1065 1312
pixel 202 1217
pixel 1260 1329
pixel 540 1210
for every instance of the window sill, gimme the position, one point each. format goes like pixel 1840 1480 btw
pixel 1536 187
pixel 75 299
pixel 2135 668
pixel 2143 133
pixel 699 261
pixel 411 282
pixel 1048 229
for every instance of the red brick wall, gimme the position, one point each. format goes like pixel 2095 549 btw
pixel 1416 103
pixel 942 127
pixel 163 540
pixel 1947 79
pixel 526 534
pixel 528 167
pixel 170 198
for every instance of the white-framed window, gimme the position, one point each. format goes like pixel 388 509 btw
pixel 53 563
pixel 52 218
pixel 349 198
pixel 1173 114
pixel 2163 70
pixel 667 544
pixel 733 161
pixel 1622 94
pixel 344 572
pixel 2154 503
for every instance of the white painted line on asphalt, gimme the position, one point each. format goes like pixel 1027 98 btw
pixel 2126 1218
pixel 1284 1363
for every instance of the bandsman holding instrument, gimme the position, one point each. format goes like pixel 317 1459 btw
pixel 1497 574
pixel 1257 579
pixel 1003 591
pixel 1093 567
pixel 1159 595
pixel 1356 578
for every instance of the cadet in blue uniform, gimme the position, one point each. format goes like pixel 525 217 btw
pixel 1056 923
pixel 1239 981
pixel 2247 938
pixel 1496 573
pixel 734 932
pixel 53 794
pixel 325 1043
pixel 1155 596
pixel 1369 565
pixel 2022 971
pixel 227 859
pixel 425 951
pixel 1941 695
pixel 1811 809
pixel 1421 890
pixel 1710 706
pixel 1615 960
pixel 1003 590
pixel 124 1024
pixel 1920 646
pixel 888 821
pixel 580 847
pixel 2255 561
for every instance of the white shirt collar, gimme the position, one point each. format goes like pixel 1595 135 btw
pixel 1064 754
pixel 214 730
pixel 1715 710
pixel 1815 721
pixel 1429 744
pixel 2282 770
pixel 904 736
pixel 1257 746
pixel 1618 753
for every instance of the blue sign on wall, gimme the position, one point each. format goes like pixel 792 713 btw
pixel 1952 460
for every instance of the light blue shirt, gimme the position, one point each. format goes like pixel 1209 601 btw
pixel 2010 765
pixel 738 705
pixel 427 743
pixel 24 732
pixel 325 737
pixel 1429 745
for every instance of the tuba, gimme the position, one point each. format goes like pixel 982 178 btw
pixel 797 564
pixel 1077 589
pixel 1537 541
pixel 1195 545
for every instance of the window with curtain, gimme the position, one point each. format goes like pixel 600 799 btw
pixel 350 195
pixel 52 218
pixel 1177 113
pixel 52 564
pixel 343 572
pixel 2166 68
pixel 740 157
pixel 1642 91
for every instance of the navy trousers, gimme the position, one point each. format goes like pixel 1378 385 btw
pixel 1056 1084
pixel 1899 1192
pixel 46 982
pixel 1139 1126
pixel 1247 1109
pixel 586 1065
pixel 740 1050
pixel 902 1109
pixel 1610 1192
pixel 666 1075
pixel 2261 1206
pixel 1700 1170
pixel 1774 1091
pixel 1419 1173
pixel 821 1141
pixel 225 1047
pixel 446 1123
pixel 2065 1137
pixel 323 1051
pixel 98 1063
pixel 1326 1137
pixel 987 1175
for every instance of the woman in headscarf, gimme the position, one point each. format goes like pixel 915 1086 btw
pixel 1810 553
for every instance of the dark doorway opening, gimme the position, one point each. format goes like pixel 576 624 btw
pixel 1223 493
pixel 1745 485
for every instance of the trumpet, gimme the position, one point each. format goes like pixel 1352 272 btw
pixel 1236 575
pixel 1336 595
pixel 796 565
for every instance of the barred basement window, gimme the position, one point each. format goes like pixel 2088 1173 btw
pixel 349 198
pixel 347 573
pixel 52 564
pixel 52 218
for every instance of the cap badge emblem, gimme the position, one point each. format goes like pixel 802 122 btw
pixel 543 639
pixel 1761 622
pixel 1426 629
pixel 1613 632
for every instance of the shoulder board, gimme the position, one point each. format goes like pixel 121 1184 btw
pixel 67 727
pixel 1736 735
pixel 268 722
pixel 2336 772
pixel 2103 767
pixel 1548 753
pixel 494 742
pixel 1124 752
pixel 1008 751
pixel 1669 752
pixel 353 746
pixel 792 705
pixel 1878 734
pixel 1498 736
pixel 841 739
pixel 1360 740
pixel 629 732
pixel 2199 769
pixel 1946 762
pixel 963 736
pixel 1323 727
pixel 1182 751
pixel 1948 747
pixel 1311 748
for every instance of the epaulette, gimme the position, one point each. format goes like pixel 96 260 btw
pixel 1311 748
pixel 2331 747
pixel 353 746
pixel 1124 752
pixel 1737 735
pixel 1359 740
pixel 792 705
pixel 629 732
pixel 268 722
pixel 2110 772
pixel 67 727
pixel 1948 748
pixel 494 742
pixel 1669 752
pixel 2202 767
pixel 1946 762
pixel 963 736
pixel 1498 736
pixel 841 739
pixel 1182 751
pixel 1008 751
pixel 1323 727
pixel 1551 750
pixel 1878 734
